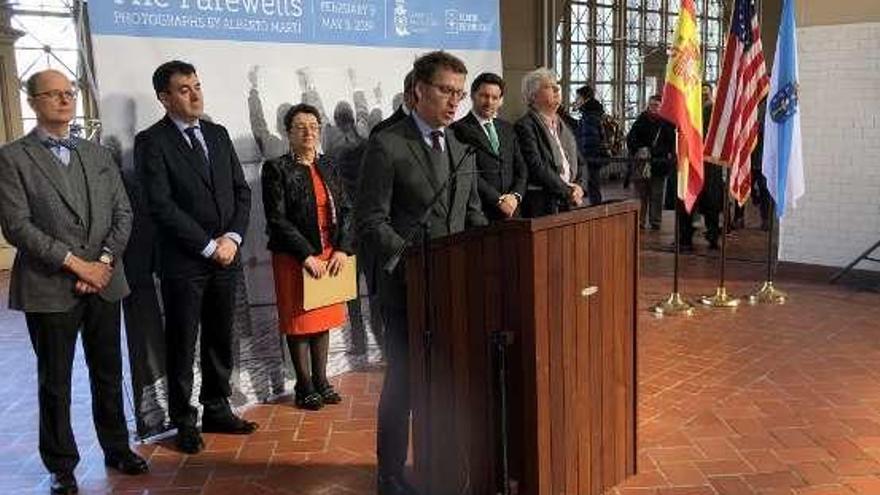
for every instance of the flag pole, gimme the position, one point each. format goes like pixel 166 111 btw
pixel 721 299
pixel 768 293
pixel 674 304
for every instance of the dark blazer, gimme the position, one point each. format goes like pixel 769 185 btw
pixel 291 209
pixel 394 118
pixel 504 173
pixel 546 193
pixel 396 186
pixel 189 205
pixel 39 218
pixel 649 131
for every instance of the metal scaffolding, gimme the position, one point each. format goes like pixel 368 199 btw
pixel 56 37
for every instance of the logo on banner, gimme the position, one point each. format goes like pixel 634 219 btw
pixel 401 21
pixel 458 22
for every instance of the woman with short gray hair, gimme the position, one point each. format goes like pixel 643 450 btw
pixel 556 172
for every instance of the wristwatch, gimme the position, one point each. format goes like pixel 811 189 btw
pixel 106 257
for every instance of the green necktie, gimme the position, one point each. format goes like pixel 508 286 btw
pixel 493 136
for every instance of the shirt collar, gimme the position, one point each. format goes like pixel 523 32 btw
pixel 481 120
pixel 183 126
pixel 424 128
pixel 405 109
pixel 43 134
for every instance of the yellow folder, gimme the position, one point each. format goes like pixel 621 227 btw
pixel 327 290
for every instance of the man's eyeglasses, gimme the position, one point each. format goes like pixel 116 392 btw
pixel 57 94
pixel 449 91
pixel 302 129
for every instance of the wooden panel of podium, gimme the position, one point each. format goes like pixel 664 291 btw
pixel 564 287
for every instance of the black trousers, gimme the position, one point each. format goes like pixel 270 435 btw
pixel 206 299
pixel 53 337
pixel 392 436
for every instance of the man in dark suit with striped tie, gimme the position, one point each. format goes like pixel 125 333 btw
pixel 200 203
pixel 503 173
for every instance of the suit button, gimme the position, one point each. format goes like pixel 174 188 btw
pixel 82 246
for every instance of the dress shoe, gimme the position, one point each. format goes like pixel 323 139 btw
pixel 64 483
pixel 393 484
pixel 126 462
pixel 189 441
pixel 228 424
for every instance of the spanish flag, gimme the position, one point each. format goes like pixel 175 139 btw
pixel 683 103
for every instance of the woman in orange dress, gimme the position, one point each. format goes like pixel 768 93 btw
pixel 308 222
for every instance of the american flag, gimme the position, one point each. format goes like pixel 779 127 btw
pixel 733 128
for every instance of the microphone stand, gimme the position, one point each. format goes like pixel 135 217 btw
pixel 423 226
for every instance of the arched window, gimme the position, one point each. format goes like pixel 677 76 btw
pixel 620 47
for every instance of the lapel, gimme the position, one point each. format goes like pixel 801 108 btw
pixel 175 136
pixel 456 154
pixel 481 132
pixel 544 136
pixel 420 153
pixel 46 163
pixel 91 168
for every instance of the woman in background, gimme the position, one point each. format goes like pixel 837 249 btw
pixel 308 222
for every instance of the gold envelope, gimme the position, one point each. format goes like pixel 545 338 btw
pixel 328 290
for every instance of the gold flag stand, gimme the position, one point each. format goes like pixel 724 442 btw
pixel 768 293
pixel 721 299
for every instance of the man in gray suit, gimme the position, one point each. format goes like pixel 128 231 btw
pixel 404 168
pixel 63 206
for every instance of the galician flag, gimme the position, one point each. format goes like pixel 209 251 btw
pixel 683 103
pixel 783 163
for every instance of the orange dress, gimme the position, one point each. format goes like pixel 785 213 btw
pixel 288 274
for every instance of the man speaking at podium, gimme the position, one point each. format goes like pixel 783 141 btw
pixel 404 174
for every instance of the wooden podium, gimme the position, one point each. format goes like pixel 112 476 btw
pixel 565 287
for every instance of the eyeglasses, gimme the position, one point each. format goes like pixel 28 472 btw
pixel 304 128
pixel 449 91
pixel 57 94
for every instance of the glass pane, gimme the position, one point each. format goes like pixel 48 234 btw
pixel 712 65
pixel 713 34
pixel 673 6
pixel 714 8
pixel 44 5
pixel 580 63
pixel 632 107
pixel 633 64
pixel 633 25
pixel 57 32
pixel 605 94
pixel 605 23
pixel 652 5
pixel 604 63
pixel 634 3
pixel 652 28
pixel 580 23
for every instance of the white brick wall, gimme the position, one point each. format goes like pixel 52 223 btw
pixel 839 215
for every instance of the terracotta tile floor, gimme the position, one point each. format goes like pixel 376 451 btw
pixel 761 400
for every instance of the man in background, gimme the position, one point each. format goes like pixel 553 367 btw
pixel 64 208
pixel 200 202
pixel 503 173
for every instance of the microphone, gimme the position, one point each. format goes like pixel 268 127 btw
pixel 422 223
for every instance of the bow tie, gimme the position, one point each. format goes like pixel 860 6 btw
pixel 68 142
